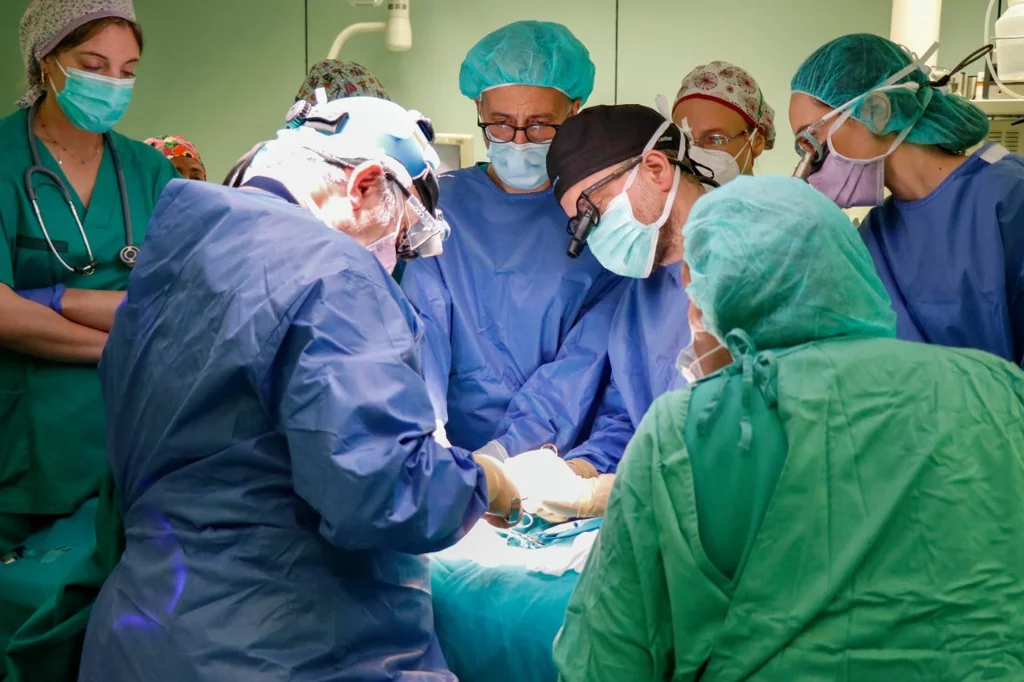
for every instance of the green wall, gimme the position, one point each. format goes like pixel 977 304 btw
pixel 223 72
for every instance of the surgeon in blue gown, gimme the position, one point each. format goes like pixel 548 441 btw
pixel 507 313
pixel 271 436
pixel 949 241
pixel 600 156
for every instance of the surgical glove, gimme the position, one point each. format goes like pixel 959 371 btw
pixel 440 435
pixel 51 297
pixel 591 500
pixel 503 503
pixel 552 489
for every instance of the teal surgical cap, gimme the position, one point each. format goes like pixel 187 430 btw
pixel 537 53
pixel 777 259
pixel 853 65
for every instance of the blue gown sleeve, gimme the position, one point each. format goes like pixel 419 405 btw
pixel 349 398
pixel 560 398
pixel 426 289
pixel 1011 224
pixel 612 431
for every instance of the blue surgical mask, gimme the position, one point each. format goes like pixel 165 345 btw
pixel 620 242
pixel 91 102
pixel 523 166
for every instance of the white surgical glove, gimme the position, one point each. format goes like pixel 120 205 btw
pixel 551 489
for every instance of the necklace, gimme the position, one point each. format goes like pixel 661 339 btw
pixel 48 137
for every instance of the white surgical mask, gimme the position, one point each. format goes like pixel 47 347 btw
pixel 689 363
pixel 724 165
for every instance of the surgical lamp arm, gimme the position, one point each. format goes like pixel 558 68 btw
pixel 354 29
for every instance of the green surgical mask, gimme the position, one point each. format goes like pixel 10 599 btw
pixel 91 102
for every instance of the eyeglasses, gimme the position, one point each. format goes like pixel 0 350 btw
pixel 712 140
pixel 538 133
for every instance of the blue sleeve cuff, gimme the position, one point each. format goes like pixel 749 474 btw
pixel 495 450
pixel 51 297
pixel 602 461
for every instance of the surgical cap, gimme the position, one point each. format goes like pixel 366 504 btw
pixel 361 128
pixel 604 136
pixel 734 88
pixel 537 53
pixel 174 147
pixel 775 258
pixel 47 22
pixel 852 66
pixel 341 79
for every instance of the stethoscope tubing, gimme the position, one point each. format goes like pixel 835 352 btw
pixel 129 253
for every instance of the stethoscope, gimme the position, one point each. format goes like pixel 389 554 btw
pixel 129 254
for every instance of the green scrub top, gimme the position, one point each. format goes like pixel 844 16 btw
pixel 51 414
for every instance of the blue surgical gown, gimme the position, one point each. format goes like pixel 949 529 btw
pixel 500 304
pixel 953 262
pixel 270 436
pixel 648 330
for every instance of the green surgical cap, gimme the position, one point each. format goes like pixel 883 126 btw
pixel 777 259
pixel 853 65
pixel 537 53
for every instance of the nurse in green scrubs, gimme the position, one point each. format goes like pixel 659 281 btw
pixel 51 410
pixel 81 57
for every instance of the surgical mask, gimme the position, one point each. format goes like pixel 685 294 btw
pixel 619 241
pixel 689 363
pixel 91 102
pixel 522 166
pixel 623 244
pixel 854 183
pixel 724 165
pixel 385 249
pixel 850 182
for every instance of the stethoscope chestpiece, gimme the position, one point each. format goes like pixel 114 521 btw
pixel 129 255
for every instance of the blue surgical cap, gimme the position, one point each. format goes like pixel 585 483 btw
pixel 852 66
pixel 775 258
pixel 538 53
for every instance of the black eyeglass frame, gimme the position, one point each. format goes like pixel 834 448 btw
pixel 515 131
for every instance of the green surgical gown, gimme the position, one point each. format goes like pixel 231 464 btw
pixel 52 430
pixel 884 545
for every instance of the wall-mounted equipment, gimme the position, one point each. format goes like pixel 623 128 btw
pixel 397 29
